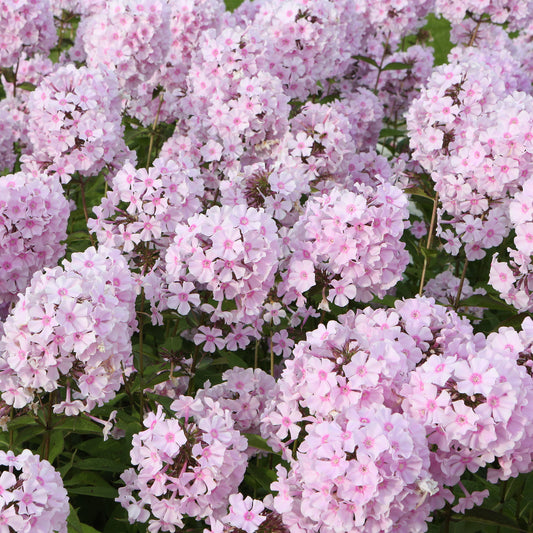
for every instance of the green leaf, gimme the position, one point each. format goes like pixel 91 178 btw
pixel 80 424
pixel 229 305
pixel 8 74
pixel 366 60
pixel 440 31
pixel 88 529
pixel 73 522
pixel 98 492
pixel 484 300
pixel 397 66
pixel 480 515
pixel 22 421
pixel 255 441
pixel 391 132
pixel 57 443
pixel 102 464
pixel 26 86
pixel 417 191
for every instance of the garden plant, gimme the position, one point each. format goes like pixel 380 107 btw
pixel 266 266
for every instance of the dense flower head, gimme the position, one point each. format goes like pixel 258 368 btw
pixel 359 460
pixel 515 12
pixel 27 26
pixel 131 37
pixel 71 328
pixel 141 209
pixel 75 123
pixel 33 498
pixel 235 108
pixel 14 107
pixel 303 43
pixel 398 87
pixel 188 20
pixel 390 20
pixel 245 392
pixel 475 403
pixel 188 464
pixel 9 135
pixel 33 225
pixel 388 407
pixel 471 130
pixel 347 243
pixel 232 253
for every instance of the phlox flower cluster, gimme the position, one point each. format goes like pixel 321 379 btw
pixel 514 280
pixel 131 37
pixel 188 464
pixel 398 87
pixel 471 130
pixel 359 461
pixel 142 207
pixel 27 26
pixel 324 147
pixel 74 122
pixel 515 12
pixel 72 330
pixel 475 400
pixel 244 392
pixel 348 244
pixel 388 408
pixel 188 20
pixel 386 22
pixel 302 42
pixel 235 107
pixel 33 225
pixel 32 499
pixel 231 253
pixel 9 135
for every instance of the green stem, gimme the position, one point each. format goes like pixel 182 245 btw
pixel 460 288
pixel 85 211
pixel 429 241
pixel 141 358
pixel 152 133
pixel 380 67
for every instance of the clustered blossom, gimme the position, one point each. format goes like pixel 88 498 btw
pixel 14 109
pixel 471 130
pixel 74 122
pixel 398 87
pixel 186 465
pixel 514 280
pixel 514 12
pixel 71 329
pixel 387 408
pixel 33 225
pixel 303 43
pixel 231 253
pixel 188 20
pixel 140 211
pixel 348 243
pixel 245 392
pixel 475 399
pixel 131 37
pixel 233 105
pixel 359 462
pixel 33 499
pixel 27 26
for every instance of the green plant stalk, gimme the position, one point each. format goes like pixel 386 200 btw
pixel 429 241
